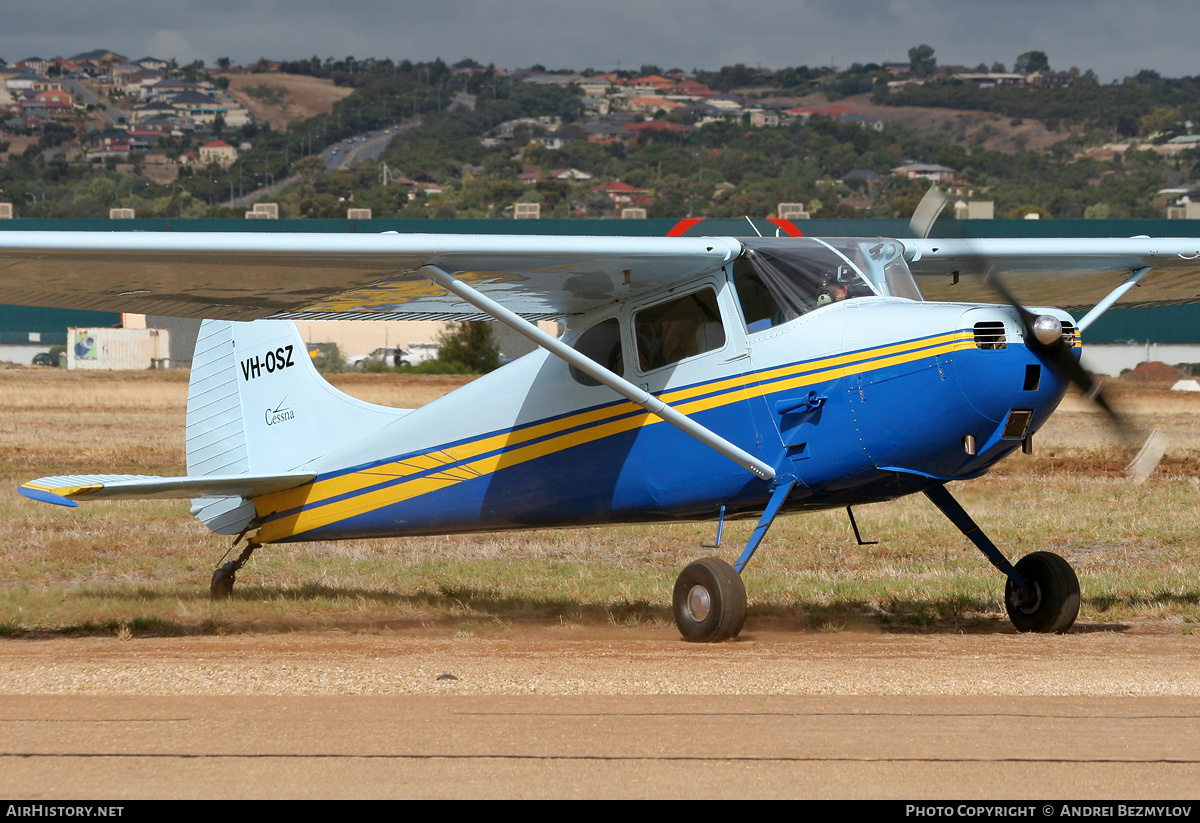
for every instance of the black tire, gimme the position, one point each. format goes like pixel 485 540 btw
pixel 1050 601
pixel 221 587
pixel 710 601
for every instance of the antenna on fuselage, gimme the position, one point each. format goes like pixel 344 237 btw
pixel 751 222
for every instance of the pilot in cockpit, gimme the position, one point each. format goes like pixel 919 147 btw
pixel 835 286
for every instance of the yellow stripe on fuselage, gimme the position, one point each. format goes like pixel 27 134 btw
pixel 506 450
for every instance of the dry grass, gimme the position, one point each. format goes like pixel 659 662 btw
pixel 280 99
pixel 129 569
pixel 410 392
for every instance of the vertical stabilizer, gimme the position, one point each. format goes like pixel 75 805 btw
pixel 256 404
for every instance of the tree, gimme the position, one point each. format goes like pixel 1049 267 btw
pixel 1160 120
pixel 921 61
pixel 1030 62
pixel 310 166
pixel 223 63
pixel 470 344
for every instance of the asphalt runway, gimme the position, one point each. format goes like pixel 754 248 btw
pixel 116 748
pixel 1088 716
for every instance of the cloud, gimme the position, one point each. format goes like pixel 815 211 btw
pixel 1110 36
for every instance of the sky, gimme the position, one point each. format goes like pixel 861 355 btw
pixel 1115 38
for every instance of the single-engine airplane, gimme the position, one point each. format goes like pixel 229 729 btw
pixel 697 378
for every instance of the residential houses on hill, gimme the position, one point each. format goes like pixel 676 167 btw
pixel 126 106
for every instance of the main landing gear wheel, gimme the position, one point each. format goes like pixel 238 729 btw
pixel 1049 602
pixel 710 601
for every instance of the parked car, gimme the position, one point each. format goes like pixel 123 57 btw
pixel 45 358
pixel 389 355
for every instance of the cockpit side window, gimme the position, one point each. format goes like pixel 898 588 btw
pixel 601 343
pixel 802 280
pixel 760 309
pixel 678 329
pixel 803 274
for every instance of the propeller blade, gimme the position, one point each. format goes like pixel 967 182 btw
pixel 927 211
pixel 1148 458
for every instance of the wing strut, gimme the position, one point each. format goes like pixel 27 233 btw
pixel 1113 296
pixel 593 369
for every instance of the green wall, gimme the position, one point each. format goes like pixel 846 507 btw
pixel 737 227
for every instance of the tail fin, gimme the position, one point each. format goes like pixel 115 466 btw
pixel 256 404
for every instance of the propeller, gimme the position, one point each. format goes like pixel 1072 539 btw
pixel 1043 335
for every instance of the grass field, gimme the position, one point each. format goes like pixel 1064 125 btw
pixel 143 567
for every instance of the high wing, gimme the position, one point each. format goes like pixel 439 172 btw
pixel 251 276
pixel 1071 273
pixel 255 276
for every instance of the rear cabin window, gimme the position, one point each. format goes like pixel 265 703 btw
pixel 678 329
pixel 602 343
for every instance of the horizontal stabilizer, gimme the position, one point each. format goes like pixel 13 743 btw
pixel 64 489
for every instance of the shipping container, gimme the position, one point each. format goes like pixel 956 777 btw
pixel 113 349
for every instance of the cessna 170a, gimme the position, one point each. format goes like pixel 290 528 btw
pixel 696 378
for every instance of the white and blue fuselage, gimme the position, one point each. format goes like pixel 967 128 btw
pixel 858 400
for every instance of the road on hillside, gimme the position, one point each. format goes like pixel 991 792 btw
pixel 81 91
pixel 363 147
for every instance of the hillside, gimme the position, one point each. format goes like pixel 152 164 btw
pixel 724 150
pixel 971 128
pixel 282 99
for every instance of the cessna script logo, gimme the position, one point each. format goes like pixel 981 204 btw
pixel 271 362
pixel 279 414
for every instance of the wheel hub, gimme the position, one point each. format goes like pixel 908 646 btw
pixel 699 603
pixel 1029 598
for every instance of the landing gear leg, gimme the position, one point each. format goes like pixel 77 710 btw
pixel 221 587
pixel 710 597
pixel 1042 592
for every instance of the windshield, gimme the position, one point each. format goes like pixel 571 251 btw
pixel 778 279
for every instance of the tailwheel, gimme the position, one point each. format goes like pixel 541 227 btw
pixel 221 587
pixel 1049 601
pixel 710 601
